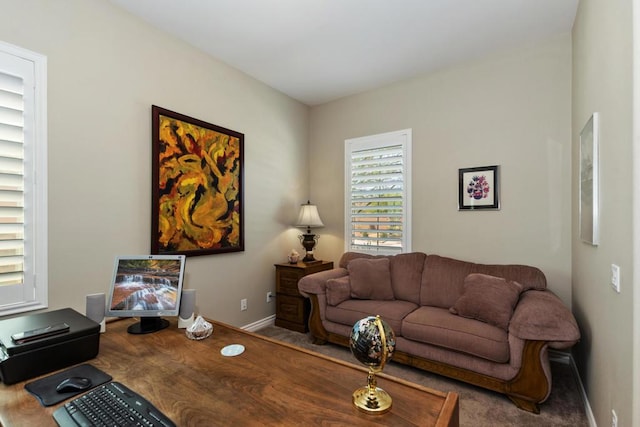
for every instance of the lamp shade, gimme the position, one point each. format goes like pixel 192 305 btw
pixel 309 217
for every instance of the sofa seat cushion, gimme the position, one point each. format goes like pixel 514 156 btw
pixel 349 312
pixel 438 326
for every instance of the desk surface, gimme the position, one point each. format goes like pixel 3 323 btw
pixel 271 383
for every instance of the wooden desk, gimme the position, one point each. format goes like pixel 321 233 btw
pixel 269 384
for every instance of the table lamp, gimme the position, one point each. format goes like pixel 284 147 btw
pixel 309 218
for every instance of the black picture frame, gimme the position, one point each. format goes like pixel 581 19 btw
pixel 478 188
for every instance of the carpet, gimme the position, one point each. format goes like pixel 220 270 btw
pixel 478 407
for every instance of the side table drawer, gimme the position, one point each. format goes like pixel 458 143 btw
pixel 288 283
pixel 291 308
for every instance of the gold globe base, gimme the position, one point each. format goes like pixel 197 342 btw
pixel 371 399
pixel 376 401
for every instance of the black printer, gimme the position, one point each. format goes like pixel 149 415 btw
pixel 36 344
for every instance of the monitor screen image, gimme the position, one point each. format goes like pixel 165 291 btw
pixel 148 287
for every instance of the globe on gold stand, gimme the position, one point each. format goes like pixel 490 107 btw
pixel 372 342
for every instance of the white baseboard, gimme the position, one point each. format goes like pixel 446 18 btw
pixel 567 358
pixel 262 323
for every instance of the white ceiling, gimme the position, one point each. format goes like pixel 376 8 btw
pixel 319 50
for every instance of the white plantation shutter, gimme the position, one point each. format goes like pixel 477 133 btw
pixel 378 188
pixel 11 180
pixel 22 202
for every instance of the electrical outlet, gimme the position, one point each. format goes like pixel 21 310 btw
pixel 243 304
pixel 270 296
pixel 614 419
pixel 615 277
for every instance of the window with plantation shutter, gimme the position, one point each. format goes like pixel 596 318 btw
pixel 23 226
pixel 378 189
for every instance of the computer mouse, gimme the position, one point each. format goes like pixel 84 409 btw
pixel 73 384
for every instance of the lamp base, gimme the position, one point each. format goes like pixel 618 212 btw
pixel 308 257
pixel 308 241
pixel 372 400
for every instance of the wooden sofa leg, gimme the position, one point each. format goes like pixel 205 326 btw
pixel 318 341
pixel 530 386
pixel 318 331
pixel 526 405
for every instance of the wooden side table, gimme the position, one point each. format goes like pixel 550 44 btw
pixel 292 309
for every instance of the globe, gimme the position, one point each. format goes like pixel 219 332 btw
pixel 372 342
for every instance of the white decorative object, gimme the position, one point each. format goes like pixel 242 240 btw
pixel 200 329
pixel 232 350
pixel 293 256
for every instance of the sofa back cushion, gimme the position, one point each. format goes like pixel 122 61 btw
pixel 370 278
pixel 443 278
pixel 406 275
pixel 347 257
pixel 406 272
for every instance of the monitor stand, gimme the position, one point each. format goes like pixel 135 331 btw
pixel 147 325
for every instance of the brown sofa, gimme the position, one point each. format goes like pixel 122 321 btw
pixel 488 325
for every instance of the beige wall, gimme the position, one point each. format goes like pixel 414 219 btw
pixel 602 82
pixel 635 312
pixel 106 69
pixel 512 110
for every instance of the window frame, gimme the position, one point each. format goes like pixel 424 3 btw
pixel 372 142
pixel 35 281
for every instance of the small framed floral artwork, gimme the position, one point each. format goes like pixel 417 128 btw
pixel 478 188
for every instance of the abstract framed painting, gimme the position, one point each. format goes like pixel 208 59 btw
pixel 589 178
pixel 197 177
pixel 478 188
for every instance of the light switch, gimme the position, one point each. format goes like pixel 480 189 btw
pixel 615 277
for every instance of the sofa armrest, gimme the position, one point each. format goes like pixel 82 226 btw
pixel 316 283
pixel 541 316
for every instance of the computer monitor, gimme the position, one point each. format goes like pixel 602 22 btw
pixel 148 287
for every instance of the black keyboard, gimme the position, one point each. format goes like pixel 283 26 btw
pixel 110 404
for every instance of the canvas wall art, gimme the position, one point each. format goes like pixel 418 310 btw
pixel 197 174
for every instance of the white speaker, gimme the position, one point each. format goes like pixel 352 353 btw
pixel 187 308
pixel 96 308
